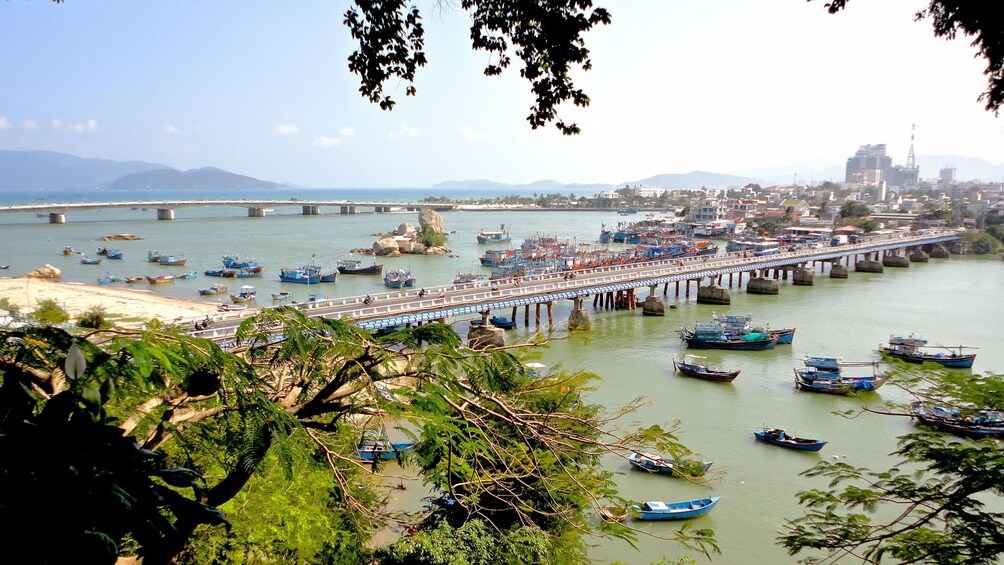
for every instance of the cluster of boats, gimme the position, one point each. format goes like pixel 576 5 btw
pixel 734 333
pixel 398 278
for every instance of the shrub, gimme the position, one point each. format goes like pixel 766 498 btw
pixel 93 318
pixel 50 313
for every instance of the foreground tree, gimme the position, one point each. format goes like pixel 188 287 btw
pixel 164 431
pixel 935 501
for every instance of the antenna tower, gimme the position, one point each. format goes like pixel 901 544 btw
pixel 911 160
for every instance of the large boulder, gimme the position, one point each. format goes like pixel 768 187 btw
pixel 404 229
pixel 46 272
pixel 386 247
pixel 431 219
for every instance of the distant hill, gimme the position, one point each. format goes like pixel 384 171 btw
pixel 206 178
pixel 694 180
pixel 47 170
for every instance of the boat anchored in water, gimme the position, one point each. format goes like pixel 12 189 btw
pixel 691 368
pixel 911 350
pixel 777 436
pixel 825 375
pixel 675 510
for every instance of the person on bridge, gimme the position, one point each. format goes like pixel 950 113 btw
pixel 368 299
pixel 442 294
pixel 422 293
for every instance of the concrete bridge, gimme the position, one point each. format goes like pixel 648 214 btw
pixel 404 307
pixel 256 208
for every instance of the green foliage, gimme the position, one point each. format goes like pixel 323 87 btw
pixel 475 543
pixel 983 243
pixel 995 231
pixel 93 318
pixel 854 209
pixel 430 237
pixel 49 313
pixel 6 304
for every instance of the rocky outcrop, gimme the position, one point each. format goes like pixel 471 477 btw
pixel 386 247
pixel 404 229
pixel 429 218
pixel 46 272
pixel 713 294
pixel 122 237
pixel 482 336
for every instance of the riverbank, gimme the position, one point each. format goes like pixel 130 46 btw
pixel 78 298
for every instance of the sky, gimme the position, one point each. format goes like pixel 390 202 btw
pixel 263 89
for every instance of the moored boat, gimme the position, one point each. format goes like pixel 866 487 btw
pixel 283 295
pixel 246 293
pixel 68 250
pixel 159 279
pixel 373 445
pixel 470 279
pixel 130 280
pixel 188 275
pixel 354 267
pixel 681 510
pixel 172 260
pixel 397 278
pixel 739 325
pixel 777 436
pixel 825 375
pixel 87 261
pixel 231 307
pixel 299 275
pixel 214 288
pixel 910 349
pixel 667 465
pixel 966 422
pixel 114 254
pixel 502 322
pixel 500 236
pixel 713 336
pixel 689 367
pixel 153 256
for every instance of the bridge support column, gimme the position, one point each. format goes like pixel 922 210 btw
pixel 894 260
pixel 526 315
pixel 939 252
pixel 550 313
pixel 579 319
pixel 311 210
pixel 762 285
pixel 713 293
pixel 485 336
pixel 515 312
pixel 678 288
pixel 256 212
pixel 802 276
pixel 868 266
pixel 165 214
pixel 653 305
pixel 536 318
pixel 784 275
pixel 57 218
pixel 838 271
pixel 347 210
pixel 918 256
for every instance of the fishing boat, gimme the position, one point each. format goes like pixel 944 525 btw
pixel 355 267
pixel 741 325
pixel 109 279
pixel 68 250
pixel 667 465
pixel 500 236
pixel 172 260
pixel 966 422
pixel 675 510
pixel 689 367
pixel 160 279
pixel 502 322
pixel 714 336
pixel 910 349
pixel 397 278
pixel 317 297
pixel 473 279
pixel 778 436
pixel 188 275
pixel 282 295
pixel 246 293
pixel 153 256
pixel 131 280
pixel 374 445
pixel 102 251
pixel 231 307
pixel 329 277
pixel 235 262
pixel 87 261
pixel 826 375
pixel 214 288
pixel 114 254
pixel 254 272
pixel 299 275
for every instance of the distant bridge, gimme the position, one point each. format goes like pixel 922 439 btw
pixel 405 307
pixel 256 207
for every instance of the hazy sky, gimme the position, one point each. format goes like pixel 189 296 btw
pixel 263 89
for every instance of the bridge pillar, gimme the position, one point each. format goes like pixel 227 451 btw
pixel 868 266
pixel 311 210
pixel 762 285
pixel 802 276
pixel 939 252
pixel 348 210
pixel 484 336
pixel 256 212
pixel 57 218
pixel 918 256
pixel 653 305
pixel 893 260
pixel 550 312
pixel 713 293
pixel 838 271
pixel 165 214
pixel 579 319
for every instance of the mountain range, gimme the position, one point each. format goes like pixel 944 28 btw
pixel 46 170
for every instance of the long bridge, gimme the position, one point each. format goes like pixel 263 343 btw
pixel 406 307
pixel 256 208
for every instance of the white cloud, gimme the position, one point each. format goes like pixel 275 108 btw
pixel 170 129
pixel 347 131
pixel 403 131
pixel 326 142
pixel 57 124
pixel 471 135
pixel 4 124
pixel 90 126
pixel 287 129
pixel 29 125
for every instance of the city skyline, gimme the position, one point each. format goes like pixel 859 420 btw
pixel 263 91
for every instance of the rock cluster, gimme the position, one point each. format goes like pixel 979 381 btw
pixel 122 237
pixel 46 272
pixel 404 239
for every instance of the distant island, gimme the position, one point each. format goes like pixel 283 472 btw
pixel 208 177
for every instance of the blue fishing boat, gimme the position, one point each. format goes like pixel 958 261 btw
pixel 172 260
pixel 714 336
pixel 153 256
pixel 396 278
pixel 109 279
pixel 188 275
pixel 246 293
pixel 826 375
pixel 778 436
pixel 252 273
pixel 376 446
pixel 738 325
pixel 214 288
pixel 282 295
pixel 500 236
pixel 910 349
pixel 235 262
pixel 317 297
pixel 114 254
pixel 966 422
pixel 503 322
pixel 667 465
pixel 299 275
pixel 86 261
pixel 675 510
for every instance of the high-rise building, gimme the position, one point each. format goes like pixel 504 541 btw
pixel 868 166
pixel 947 175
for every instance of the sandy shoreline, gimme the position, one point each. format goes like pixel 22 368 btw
pixel 117 302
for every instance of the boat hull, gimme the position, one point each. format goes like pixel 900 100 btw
pixel 370 270
pixel 731 344
pixel 979 424
pixel 699 371
pixel 951 361
pixel 779 438
pixel 668 466
pixel 682 510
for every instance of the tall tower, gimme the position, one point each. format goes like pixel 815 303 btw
pixel 911 159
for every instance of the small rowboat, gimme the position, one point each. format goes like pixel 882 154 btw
pixel 231 307
pixel 779 437
pixel 691 369
pixel 502 322
pixel 675 510
pixel 284 295
pixel 86 261
pixel 131 280
pixel 159 279
pixel 668 465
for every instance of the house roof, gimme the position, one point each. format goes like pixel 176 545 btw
pixel 849 229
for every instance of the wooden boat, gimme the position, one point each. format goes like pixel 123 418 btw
pixel 667 465
pixel 86 261
pixel 329 277
pixel 966 422
pixel 502 322
pixel 500 236
pixel 283 295
pixel 374 445
pixel 108 280
pixel 131 280
pixel 153 256
pixel 777 436
pixel 396 278
pixel 188 275
pixel 675 510
pixel 214 288
pixel 354 267
pixel 784 335
pixel 231 307
pixel 613 513
pixel 172 260
pixel 825 375
pixel 713 336
pixel 102 251
pixel 68 250
pixel 910 349
pixel 247 293
pixel 159 279
pixel 691 369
